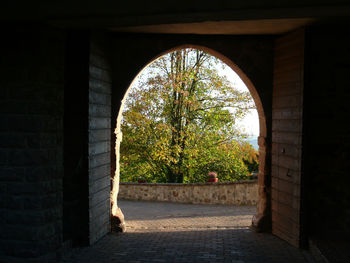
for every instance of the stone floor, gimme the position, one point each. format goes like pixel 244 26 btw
pixel 169 232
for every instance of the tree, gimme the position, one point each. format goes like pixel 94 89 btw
pixel 180 120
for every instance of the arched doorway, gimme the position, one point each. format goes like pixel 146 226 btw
pixel 261 220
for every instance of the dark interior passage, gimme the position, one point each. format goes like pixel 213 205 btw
pixel 65 69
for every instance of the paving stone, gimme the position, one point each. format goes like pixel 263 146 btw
pixel 168 232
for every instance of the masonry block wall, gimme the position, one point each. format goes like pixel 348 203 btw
pixel 327 148
pixel 287 116
pixel 75 181
pixel 226 193
pixel 87 138
pixel 99 138
pixel 31 143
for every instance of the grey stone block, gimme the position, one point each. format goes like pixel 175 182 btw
pixel 100 74
pixel 10 174
pixel 99 98
pixel 99 123
pixel 99 160
pixel 99 135
pixel 99 172
pixel 99 147
pixel 30 157
pixel 12 140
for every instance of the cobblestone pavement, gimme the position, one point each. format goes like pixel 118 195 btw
pixel 169 232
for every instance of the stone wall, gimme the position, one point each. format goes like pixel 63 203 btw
pixel 231 193
pixel 87 138
pixel 99 138
pixel 287 136
pixel 31 144
pixel 75 180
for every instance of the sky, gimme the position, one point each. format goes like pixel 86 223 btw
pixel 251 121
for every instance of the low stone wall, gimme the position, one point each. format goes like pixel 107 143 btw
pixel 230 193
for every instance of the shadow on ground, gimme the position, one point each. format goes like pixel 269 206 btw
pixel 170 232
pixel 230 245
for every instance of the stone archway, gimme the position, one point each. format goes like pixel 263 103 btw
pixel 261 221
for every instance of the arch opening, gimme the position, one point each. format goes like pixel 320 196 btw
pixel 262 200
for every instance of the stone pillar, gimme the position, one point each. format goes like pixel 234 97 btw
pixel 262 220
pixel 100 82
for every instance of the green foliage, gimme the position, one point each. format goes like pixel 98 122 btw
pixel 179 122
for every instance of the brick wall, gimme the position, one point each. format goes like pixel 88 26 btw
pixel 99 138
pixel 31 144
pixel 287 136
pixel 231 193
